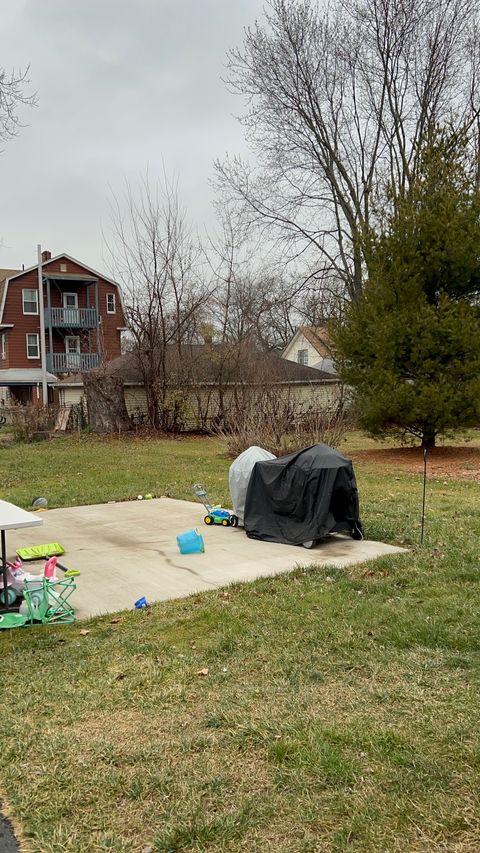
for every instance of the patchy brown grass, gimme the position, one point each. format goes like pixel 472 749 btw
pixel 458 462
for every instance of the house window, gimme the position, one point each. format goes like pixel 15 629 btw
pixel 73 358
pixel 70 300
pixel 30 301
pixel 3 347
pixel 72 344
pixel 302 356
pixel 63 267
pixel 111 303
pixel 33 346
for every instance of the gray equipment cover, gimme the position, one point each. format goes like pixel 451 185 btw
pixel 239 476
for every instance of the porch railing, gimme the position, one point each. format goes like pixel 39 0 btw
pixel 72 362
pixel 72 318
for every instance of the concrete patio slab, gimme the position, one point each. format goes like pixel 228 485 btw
pixel 128 550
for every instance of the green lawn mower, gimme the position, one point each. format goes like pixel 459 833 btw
pixel 215 514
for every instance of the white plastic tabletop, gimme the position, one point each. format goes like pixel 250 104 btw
pixel 12 517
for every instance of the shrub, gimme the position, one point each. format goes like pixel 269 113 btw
pixel 29 420
pixel 268 418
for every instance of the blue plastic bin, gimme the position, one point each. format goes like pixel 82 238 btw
pixel 191 542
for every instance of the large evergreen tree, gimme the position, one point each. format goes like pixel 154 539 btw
pixel 410 346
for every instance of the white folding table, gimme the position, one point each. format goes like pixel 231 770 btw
pixel 11 518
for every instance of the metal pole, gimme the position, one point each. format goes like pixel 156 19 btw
pixel 5 573
pixel 97 306
pixel 50 328
pixel 41 309
pixel 425 457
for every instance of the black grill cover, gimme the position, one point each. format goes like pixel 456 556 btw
pixel 302 497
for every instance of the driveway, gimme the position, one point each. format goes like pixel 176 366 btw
pixel 128 550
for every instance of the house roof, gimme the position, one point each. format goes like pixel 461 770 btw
pixel 24 376
pixel 203 364
pixel 327 365
pixel 317 336
pixel 95 273
pixel 6 273
pixel 63 276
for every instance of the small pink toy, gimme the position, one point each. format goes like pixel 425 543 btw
pixel 16 578
pixel 49 568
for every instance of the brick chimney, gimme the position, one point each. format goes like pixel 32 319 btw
pixel 46 255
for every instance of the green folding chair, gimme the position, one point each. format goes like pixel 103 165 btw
pixel 48 600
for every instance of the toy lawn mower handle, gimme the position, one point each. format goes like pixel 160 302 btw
pixel 201 493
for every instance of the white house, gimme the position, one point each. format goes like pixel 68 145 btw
pixel 309 346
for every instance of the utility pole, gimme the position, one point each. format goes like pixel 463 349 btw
pixel 41 311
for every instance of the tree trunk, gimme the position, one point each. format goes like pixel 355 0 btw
pixel 107 412
pixel 428 439
pixel 152 405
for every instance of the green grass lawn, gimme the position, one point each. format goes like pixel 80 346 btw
pixel 71 471
pixel 340 711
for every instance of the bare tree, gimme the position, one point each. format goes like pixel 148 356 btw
pixel 253 299
pixel 340 98
pixel 13 95
pixel 156 258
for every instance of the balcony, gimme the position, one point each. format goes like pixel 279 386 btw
pixel 71 318
pixel 72 362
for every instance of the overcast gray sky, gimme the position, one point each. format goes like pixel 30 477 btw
pixel 122 84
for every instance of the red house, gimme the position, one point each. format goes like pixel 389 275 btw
pixel 84 319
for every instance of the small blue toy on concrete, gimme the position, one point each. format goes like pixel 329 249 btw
pixel 215 514
pixel 191 542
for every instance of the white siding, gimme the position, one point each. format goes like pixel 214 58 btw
pixel 71 396
pixel 298 343
pixel 135 399
pixel 198 407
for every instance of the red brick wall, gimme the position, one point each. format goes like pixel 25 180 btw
pixel 23 324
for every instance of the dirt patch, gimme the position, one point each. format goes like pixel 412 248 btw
pixel 462 463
